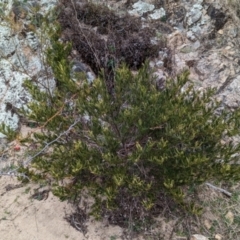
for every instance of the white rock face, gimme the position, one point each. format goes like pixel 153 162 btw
pixel 20 59
pixel 213 62
pixel 195 14
pixel 158 14
pixel 232 100
pixel 140 7
pixel 8 42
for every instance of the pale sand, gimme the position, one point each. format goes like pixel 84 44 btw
pixel 23 218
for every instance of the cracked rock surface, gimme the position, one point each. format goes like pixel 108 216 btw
pixel 20 54
pixel 202 36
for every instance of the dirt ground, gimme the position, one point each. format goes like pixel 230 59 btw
pixel 25 218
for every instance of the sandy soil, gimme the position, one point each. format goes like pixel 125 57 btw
pixel 24 218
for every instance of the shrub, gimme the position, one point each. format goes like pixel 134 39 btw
pixel 133 144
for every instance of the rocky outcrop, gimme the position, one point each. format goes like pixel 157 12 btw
pixel 21 48
pixel 201 36
pixel 205 40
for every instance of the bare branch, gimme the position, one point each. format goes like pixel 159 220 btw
pixel 27 162
pixel 219 189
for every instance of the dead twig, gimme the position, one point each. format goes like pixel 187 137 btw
pixel 219 189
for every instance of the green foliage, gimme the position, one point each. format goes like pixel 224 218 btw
pixel 10 133
pixel 137 142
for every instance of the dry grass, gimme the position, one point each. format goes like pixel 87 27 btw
pixel 219 220
pixel 222 214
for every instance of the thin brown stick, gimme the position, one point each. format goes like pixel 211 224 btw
pixel 219 189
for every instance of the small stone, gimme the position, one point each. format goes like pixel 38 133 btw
pixel 140 7
pixel 198 237
pixel 159 63
pixel 220 31
pixel 158 14
pixel 218 237
pixel 207 224
pixel 191 36
pixel 223 142
pixel 90 77
pixel 194 14
pixel 79 67
pixel 228 47
pixel 230 217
